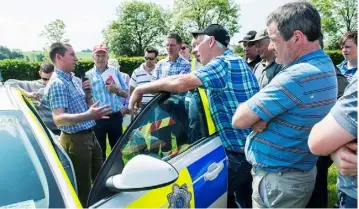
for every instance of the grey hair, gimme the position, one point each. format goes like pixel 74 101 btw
pixel 219 45
pixel 294 16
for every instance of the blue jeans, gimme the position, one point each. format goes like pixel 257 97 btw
pixel 345 201
pixel 239 181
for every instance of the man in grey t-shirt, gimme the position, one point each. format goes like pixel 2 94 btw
pixel 266 69
pixel 340 135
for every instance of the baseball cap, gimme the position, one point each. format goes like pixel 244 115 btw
pixel 262 34
pixel 217 31
pixel 100 47
pixel 249 36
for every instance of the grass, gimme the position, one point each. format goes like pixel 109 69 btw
pixel 332 181
pixel 332 188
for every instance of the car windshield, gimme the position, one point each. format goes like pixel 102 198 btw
pixel 25 177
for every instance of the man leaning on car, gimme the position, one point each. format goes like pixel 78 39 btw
pixel 74 113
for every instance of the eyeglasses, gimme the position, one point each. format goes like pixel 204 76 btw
pixel 150 58
pixel 45 79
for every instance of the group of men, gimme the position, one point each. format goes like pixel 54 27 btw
pixel 275 110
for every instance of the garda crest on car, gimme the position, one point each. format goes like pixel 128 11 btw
pixel 180 197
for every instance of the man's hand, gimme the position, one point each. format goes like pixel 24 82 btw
pixel 259 126
pixel 112 87
pixel 125 111
pixel 346 160
pixel 96 113
pixel 34 95
pixel 135 100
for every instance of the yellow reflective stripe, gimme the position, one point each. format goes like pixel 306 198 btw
pixel 210 124
pixel 157 198
pixel 164 122
pixel 193 64
pixel 173 142
pixel 49 146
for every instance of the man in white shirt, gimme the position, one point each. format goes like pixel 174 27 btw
pixel 143 74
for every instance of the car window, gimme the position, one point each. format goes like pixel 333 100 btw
pixel 168 127
pixel 26 179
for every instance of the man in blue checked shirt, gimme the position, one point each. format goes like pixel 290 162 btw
pixel 229 81
pixel 108 88
pixel 74 113
pixel 174 64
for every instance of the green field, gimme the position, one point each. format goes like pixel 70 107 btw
pixel 84 55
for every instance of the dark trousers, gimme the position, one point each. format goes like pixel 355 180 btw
pixel 239 181
pixel 319 198
pixel 85 154
pixel 112 127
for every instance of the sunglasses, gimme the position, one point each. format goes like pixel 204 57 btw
pixel 45 79
pixel 150 58
pixel 184 47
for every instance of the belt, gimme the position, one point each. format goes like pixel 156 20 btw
pixel 90 130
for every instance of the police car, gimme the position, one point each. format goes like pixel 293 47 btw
pixel 170 156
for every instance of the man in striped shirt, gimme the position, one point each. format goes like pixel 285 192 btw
pixel 284 170
pixel 143 74
pixel 108 89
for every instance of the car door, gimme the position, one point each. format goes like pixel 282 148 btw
pixel 178 131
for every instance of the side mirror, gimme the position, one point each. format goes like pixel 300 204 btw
pixel 143 172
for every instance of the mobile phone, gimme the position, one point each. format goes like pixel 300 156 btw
pixel 84 78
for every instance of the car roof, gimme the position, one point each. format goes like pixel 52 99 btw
pixel 7 101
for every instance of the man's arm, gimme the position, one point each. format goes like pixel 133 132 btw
pixel 327 136
pixel 268 103
pixel 177 83
pixel 61 118
pixel 244 117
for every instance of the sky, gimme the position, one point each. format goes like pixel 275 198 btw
pixel 21 22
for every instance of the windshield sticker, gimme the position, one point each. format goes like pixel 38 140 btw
pixel 7 121
pixel 25 204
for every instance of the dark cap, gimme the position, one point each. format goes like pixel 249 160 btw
pixel 262 34
pixel 249 36
pixel 217 31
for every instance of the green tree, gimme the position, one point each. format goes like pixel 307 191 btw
pixel 53 32
pixel 139 25
pixel 338 17
pixel 190 15
pixel 6 53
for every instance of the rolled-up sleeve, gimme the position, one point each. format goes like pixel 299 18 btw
pixel 282 94
pixel 345 110
pixel 213 75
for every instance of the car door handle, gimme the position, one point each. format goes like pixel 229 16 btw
pixel 213 170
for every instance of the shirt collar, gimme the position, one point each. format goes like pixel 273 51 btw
pixel 67 76
pixel 176 60
pixel 98 70
pixel 310 55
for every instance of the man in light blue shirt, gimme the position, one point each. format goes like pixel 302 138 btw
pixel 284 169
pixel 348 44
pixel 108 88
